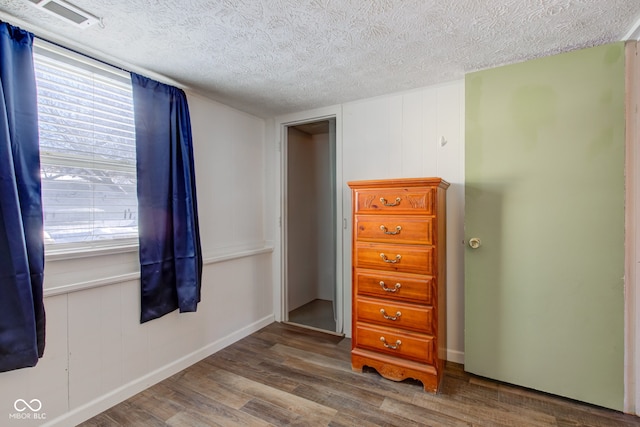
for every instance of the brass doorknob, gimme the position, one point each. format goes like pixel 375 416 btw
pixel 474 243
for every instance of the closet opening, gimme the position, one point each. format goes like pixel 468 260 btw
pixel 310 221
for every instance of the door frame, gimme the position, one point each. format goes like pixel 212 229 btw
pixel 632 233
pixel 280 245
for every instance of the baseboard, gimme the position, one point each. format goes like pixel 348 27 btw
pixel 106 401
pixel 455 356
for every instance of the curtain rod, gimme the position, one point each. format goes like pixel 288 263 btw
pixel 58 45
pixel 146 73
pixel 4 17
pixel 51 42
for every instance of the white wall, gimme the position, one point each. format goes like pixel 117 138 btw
pixel 302 220
pixel 97 352
pixel 309 219
pixel 417 133
pixel 401 136
pixel 326 240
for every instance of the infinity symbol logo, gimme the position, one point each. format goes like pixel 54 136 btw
pixel 21 405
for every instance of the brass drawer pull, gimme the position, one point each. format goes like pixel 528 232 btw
pixel 384 202
pixel 393 233
pixel 391 346
pixel 390 261
pixel 394 289
pixel 386 316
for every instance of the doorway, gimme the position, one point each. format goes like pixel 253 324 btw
pixel 311 285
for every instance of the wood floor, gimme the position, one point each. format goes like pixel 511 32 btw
pixel 283 375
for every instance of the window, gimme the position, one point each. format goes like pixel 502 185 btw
pixel 87 150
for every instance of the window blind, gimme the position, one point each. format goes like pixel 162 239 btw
pixel 87 150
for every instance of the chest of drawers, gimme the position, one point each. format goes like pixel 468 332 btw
pixel 399 267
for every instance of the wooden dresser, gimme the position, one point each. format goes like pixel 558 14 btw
pixel 399 266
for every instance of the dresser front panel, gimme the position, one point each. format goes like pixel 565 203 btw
pixel 394 286
pixel 395 314
pixel 395 200
pixel 404 258
pixel 412 346
pixel 394 229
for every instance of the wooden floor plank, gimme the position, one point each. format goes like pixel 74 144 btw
pixel 201 410
pixel 236 363
pixel 354 407
pixel 483 404
pixel 280 416
pixel 422 415
pixel 200 383
pixel 158 398
pixel 312 357
pixel 129 415
pixel 346 420
pixel 485 414
pixel 368 388
pixel 339 375
pixel 237 419
pixel 286 375
pixel 286 401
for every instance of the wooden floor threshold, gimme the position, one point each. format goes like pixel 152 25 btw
pixel 313 328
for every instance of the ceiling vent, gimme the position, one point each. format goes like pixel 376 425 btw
pixel 67 12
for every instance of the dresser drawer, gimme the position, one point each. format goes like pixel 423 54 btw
pixel 394 200
pixel 406 258
pixel 396 229
pixel 395 342
pixel 395 314
pixel 395 286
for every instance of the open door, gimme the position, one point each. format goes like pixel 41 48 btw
pixel 544 170
pixel 310 221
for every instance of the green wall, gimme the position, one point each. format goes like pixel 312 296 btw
pixel 544 170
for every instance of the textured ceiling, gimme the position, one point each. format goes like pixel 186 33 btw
pixel 270 57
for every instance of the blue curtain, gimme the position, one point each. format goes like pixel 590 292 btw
pixel 170 252
pixel 22 317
